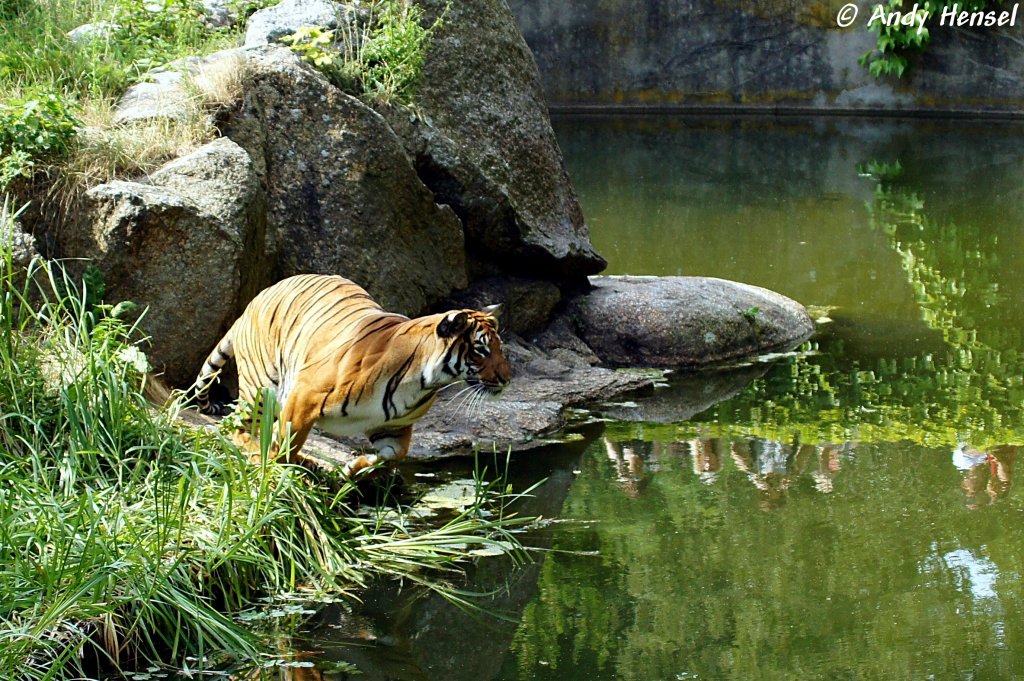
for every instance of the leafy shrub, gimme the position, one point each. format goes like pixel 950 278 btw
pixel 33 128
pixel 37 56
pixel 394 52
pixel 153 33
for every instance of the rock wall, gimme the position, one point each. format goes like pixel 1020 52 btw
pixel 759 55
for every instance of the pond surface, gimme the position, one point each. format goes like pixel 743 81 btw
pixel 846 512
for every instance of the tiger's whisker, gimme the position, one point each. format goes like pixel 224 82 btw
pixel 450 386
pixel 467 399
pixel 469 396
pixel 461 393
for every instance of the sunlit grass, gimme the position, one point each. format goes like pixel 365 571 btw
pixel 81 80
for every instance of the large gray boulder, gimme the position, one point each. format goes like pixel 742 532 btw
pixel 527 304
pixel 343 197
pixel 485 146
pixel 168 93
pixel 685 321
pixel 187 245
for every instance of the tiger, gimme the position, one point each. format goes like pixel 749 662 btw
pixel 338 361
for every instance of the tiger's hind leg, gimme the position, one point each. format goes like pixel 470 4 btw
pixel 297 418
pixel 246 435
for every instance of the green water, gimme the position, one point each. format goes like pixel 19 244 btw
pixel 848 512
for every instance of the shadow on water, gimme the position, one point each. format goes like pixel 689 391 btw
pixel 847 511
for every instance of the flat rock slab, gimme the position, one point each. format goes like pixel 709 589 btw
pixel 685 321
pixel 537 405
pixel 162 97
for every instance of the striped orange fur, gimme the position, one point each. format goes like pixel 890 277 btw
pixel 338 361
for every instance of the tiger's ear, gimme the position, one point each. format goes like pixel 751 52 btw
pixel 452 324
pixel 493 310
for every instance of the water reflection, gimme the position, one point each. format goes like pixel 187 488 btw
pixel 978 573
pixel 850 513
pixel 771 466
pixel 985 475
pixel 867 563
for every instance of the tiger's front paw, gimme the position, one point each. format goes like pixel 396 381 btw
pixel 356 466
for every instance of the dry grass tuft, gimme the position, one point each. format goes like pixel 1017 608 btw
pixel 218 84
pixel 104 151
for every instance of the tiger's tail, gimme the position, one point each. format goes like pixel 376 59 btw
pixel 220 356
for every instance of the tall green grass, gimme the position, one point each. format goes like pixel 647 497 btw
pixel 127 538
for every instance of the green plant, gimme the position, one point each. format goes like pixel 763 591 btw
pixel 381 58
pixel 47 80
pixel 394 52
pixel 32 128
pixel 316 46
pixel 897 40
pixel 154 33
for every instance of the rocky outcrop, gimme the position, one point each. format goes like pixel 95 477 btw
pixel 412 206
pixel 528 304
pixel 685 321
pixel 461 200
pixel 486 148
pixel 342 196
pixel 187 244
pixel 169 93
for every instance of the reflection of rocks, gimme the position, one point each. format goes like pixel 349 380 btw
pixel 986 475
pixel 860 333
pixel 707 458
pixel 687 395
pixel 635 461
pixel 774 466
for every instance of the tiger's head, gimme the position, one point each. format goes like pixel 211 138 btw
pixel 473 348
